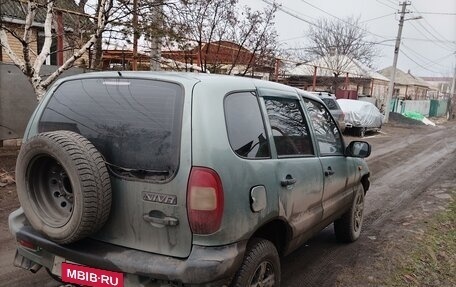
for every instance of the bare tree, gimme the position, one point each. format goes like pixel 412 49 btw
pixel 254 30
pixel 201 22
pixel 212 26
pixel 333 40
pixel 32 68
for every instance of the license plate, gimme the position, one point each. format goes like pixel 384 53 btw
pixel 88 276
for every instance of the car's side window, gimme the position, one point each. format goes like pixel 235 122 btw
pixel 330 103
pixel 289 128
pixel 326 132
pixel 246 131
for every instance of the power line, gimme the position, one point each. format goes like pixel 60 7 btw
pixel 426 60
pixel 433 35
pixel 393 2
pixel 284 9
pixel 437 13
pixel 435 32
pixel 435 62
pixel 428 40
pixel 383 3
pixel 443 58
pixel 435 40
pixel 376 18
pixel 418 64
pixel 342 20
pixel 293 38
pixel 336 46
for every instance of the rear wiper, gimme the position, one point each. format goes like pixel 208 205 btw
pixel 136 172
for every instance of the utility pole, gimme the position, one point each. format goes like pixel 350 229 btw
pixel 135 35
pixel 452 95
pixel 396 54
pixel 453 84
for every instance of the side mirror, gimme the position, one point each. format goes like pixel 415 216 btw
pixel 358 149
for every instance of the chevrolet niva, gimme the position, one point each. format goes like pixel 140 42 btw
pixel 179 179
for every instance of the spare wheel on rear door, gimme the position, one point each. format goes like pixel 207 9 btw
pixel 63 185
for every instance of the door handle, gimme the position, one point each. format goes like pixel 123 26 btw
pixel 329 171
pixel 167 220
pixel 289 180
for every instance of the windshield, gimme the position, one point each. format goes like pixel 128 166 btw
pixel 134 123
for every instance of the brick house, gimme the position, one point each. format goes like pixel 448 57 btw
pixel 406 85
pixel 224 57
pixel 440 87
pixel 65 30
pixel 353 78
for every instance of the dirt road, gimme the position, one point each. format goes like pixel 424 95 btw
pixel 406 162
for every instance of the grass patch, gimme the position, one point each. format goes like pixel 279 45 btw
pixel 431 260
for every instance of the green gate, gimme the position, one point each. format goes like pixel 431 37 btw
pixel 438 108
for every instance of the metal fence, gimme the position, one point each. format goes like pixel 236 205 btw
pixel 438 108
pixel 17 99
pixel 428 108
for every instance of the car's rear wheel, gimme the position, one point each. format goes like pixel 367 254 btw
pixel 361 131
pixel 261 265
pixel 63 186
pixel 348 226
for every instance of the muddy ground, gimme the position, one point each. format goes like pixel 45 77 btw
pixel 413 177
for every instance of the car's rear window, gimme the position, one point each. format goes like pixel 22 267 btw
pixel 330 103
pixel 134 123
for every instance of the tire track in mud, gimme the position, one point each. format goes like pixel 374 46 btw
pixel 402 170
pixel 393 146
pixel 408 179
pixel 392 153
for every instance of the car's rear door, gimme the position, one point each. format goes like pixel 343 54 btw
pixel 138 126
pixel 298 173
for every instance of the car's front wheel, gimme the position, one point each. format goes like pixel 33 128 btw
pixel 261 265
pixel 348 226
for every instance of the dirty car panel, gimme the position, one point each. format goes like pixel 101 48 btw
pixel 136 125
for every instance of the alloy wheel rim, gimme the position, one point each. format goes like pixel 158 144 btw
pixel 358 212
pixel 263 276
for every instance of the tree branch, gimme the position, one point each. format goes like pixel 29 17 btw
pixel 102 18
pixel 31 12
pixel 46 49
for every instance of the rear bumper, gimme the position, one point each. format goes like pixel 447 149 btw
pixel 204 265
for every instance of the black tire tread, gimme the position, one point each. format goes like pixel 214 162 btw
pixel 256 249
pixel 344 225
pixel 93 178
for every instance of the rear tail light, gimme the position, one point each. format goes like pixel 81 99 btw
pixel 204 200
pixel 28 244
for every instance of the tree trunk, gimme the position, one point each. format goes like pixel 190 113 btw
pixel 32 70
pixel 98 46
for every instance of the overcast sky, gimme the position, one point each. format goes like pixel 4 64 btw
pixel 430 43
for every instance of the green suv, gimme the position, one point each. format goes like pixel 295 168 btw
pixel 179 179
